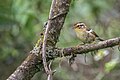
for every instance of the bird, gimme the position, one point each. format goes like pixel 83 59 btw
pixel 85 34
pixel 38 44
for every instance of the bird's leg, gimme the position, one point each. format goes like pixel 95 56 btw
pixel 94 52
pixel 85 58
pixel 72 59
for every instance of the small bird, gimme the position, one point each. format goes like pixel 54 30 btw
pixel 39 40
pixel 85 34
pixel 38 44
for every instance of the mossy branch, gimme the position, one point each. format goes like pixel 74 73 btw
pixel 92 47
pixel 33 63
pixel 56 20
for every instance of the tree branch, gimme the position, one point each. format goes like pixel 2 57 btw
pixel 84 49
pixel 91 47
pixel 28 68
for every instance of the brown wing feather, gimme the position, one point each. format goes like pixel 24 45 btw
pixel 98 38
pixel 88 29
pixel 94 34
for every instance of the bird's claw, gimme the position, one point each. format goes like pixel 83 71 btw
pixel 72 59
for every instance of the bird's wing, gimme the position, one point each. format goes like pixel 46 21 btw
pixel 92 32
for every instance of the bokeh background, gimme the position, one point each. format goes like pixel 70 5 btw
pixel 21 22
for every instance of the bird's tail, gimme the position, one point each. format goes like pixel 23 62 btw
pixel 98 38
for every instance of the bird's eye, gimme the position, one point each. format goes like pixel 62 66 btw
pixel 81 26
pixel 41 34
pixel 77 25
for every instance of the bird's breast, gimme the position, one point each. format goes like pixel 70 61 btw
pixel 81 34
pixel 84 36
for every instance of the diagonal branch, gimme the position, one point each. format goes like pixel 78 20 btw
pixel 30 66
pixel 50 38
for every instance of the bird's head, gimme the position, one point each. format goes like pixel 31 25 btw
pixel 79 25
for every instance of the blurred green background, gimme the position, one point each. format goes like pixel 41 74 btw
pixel 21 21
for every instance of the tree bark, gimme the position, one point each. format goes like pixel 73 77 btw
pixel 55 23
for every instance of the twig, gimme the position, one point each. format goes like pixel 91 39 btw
pixel 62 13
pixel 48 70
pixel 44 50
pixel 52 72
